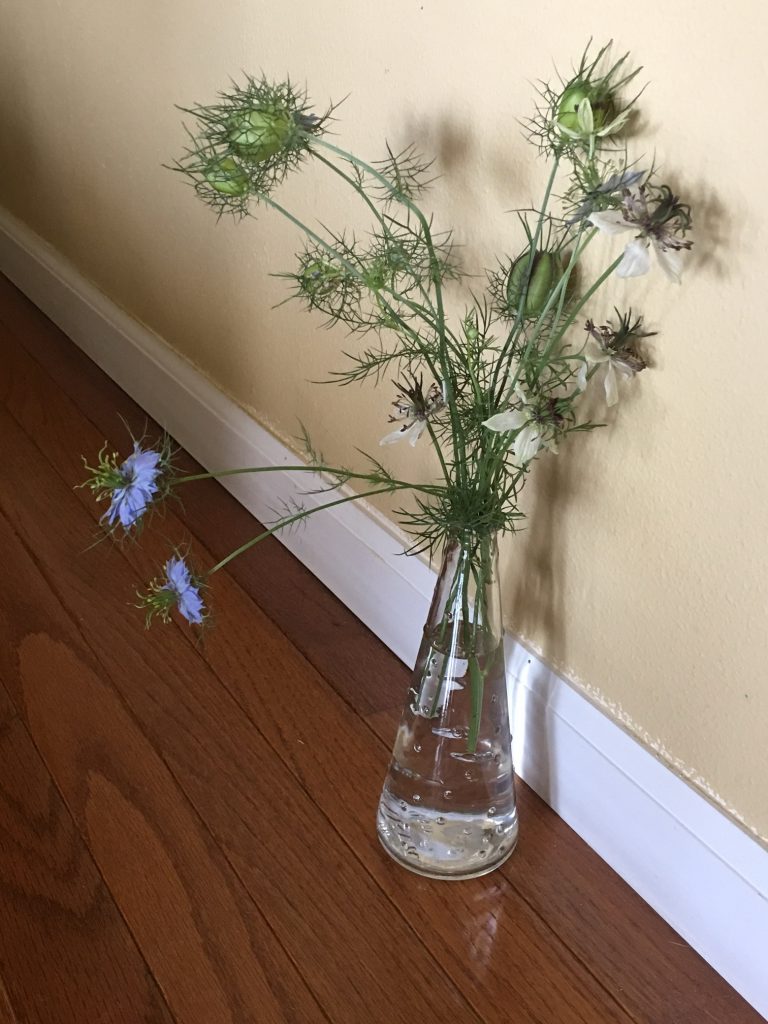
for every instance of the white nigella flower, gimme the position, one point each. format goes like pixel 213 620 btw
pixel 613 350
pixel 535 423
pixel 414 408
pixel 659 227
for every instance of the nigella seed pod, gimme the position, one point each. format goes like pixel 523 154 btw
pixel 600 99
pixel 227 177
pixel 257 135
pixel 546 271
pixel 319 279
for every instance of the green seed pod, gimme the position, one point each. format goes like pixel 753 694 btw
pixel 601 100
pixel 546 272
pixel 256 135
pixel 227 176
pixel 319 279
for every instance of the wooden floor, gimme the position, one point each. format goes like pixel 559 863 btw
pixel 187 832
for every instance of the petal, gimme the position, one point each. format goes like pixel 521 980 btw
pixel 503 422
pixel 611 386
pixel 636 260
pixel 670 262
pixel 611 222
pixel 616 125
pixel 190 605
pixel 594 353
pixel 527 443
pixel 397 435
pixel 414 432
pixel 586 118
pixel 177 573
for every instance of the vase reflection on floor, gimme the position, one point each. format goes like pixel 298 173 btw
pixel 448 807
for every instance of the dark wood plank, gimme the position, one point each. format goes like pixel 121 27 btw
pixel 349 798
pixel 7 710
pixel 353 948
pixel 67 956
pixel 7 1016
pixel 334 640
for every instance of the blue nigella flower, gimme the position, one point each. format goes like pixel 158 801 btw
pixel 130 497
pixel 185 591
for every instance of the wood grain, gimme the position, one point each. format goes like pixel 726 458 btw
pixel 66 954
pixel 353 948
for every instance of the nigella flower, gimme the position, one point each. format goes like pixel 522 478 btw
pixel 659 221
pixel 415 408
pixel 180 589
pixel 131 498
pixel 537 421
pixel 614 349
pixel 131 485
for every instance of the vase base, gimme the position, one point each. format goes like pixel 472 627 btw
pixel 452 873
pixel 444 844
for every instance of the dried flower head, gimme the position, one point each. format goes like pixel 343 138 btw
pixel 415 409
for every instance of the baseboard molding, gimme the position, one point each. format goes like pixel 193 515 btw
pixel 699 870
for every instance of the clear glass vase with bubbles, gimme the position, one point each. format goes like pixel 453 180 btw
pixel 447 808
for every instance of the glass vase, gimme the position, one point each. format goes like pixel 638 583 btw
pixel 447 809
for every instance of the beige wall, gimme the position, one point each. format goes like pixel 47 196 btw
pixel 643 571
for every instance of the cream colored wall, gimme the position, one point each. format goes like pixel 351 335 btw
pixel 643 571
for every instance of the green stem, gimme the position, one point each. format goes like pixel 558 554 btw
pixel 289 520
pixel 348 475
pixel 447 375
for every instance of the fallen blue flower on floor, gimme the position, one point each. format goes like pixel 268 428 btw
pixel 180 589
pixel 131 499
pixel 186 592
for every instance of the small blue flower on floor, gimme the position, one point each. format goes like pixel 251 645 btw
pixel 185 590
pixel 130 499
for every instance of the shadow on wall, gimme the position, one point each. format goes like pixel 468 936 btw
pixel 143 246
pixel 533 597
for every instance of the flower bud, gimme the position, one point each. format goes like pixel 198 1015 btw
pixel 599 98
pixel 227 176
pixel 546 271
pixel 256 135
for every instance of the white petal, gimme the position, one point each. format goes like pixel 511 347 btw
pixel 616 125
pixel 586 117
pixel 593 352
pixel 527 443
pixel 581 376
pixel 415 431
pixel 502 422
pixel 611 222
pixel 611 386
pixel 521 394
pixel 636 260
pixel 405 433
pixel 670 262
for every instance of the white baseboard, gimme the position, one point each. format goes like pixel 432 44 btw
pixel 699 870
